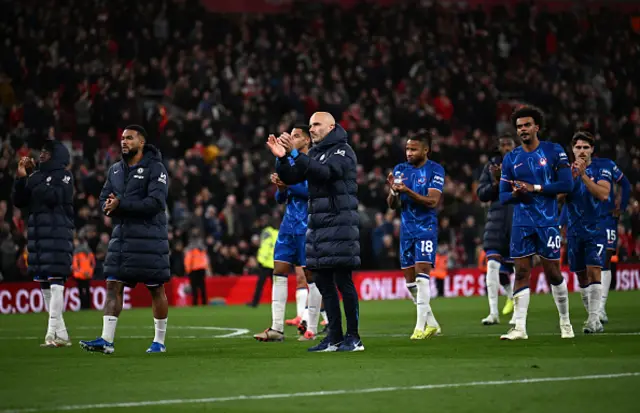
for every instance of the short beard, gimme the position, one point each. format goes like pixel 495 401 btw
pixel 129 155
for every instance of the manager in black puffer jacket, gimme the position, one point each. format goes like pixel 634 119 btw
pixel 497 232
pixel 135 197
pixel 332 243
pixel 47 194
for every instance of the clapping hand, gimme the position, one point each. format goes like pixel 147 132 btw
pixel 496 171
pixel 25 166
pixel 275 147
pixel 111 204
pixel 397 184
pixel 286 141
pixel 275 179
pixel 579 167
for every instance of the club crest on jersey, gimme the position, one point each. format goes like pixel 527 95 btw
pixel 422 180
pixel 543 161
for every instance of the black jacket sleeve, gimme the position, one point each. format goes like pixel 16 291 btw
pixel 488 189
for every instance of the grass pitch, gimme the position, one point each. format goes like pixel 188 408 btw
pixel 213 363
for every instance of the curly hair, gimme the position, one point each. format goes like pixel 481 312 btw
pixel 528 112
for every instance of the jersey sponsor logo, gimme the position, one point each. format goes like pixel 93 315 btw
pixel 163 178
pixel 340 152
pixel 66 179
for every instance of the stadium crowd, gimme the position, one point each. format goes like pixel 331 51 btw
pixel 210 88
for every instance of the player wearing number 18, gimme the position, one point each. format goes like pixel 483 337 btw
pixel 533 175
pixel 416 188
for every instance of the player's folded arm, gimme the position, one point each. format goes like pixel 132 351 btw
pixel 334 169
pixel 506 195
pixel 155 201
pixel 562 185
pixel 290 174
pixel 107 189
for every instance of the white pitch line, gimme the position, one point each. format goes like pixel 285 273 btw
pixel 321 393
pixel 241 334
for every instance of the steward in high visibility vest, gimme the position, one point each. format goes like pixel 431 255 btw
pixel 84 265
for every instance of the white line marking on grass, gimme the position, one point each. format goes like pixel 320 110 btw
pixel 322 393
pixel 241 334
pixel 234 332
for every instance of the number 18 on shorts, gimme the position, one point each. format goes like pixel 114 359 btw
pixel 414 251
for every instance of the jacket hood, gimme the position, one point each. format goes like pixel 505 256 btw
pixel 337 135
pixel 150 155
pixel 60 156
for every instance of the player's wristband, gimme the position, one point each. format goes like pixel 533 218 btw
pixel 294 153
pixel 537 188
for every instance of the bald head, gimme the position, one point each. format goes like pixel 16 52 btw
pixel 320 124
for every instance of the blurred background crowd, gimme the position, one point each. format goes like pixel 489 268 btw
pixel 210 87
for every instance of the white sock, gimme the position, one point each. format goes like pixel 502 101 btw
pixel 561 297
pixel 584 294
pixel 279 292
pixel 109 323
pixel 413 290
pixel 521 308
pixel 56 307
pixel 46 297
pixel 431 319
pixel 423 306
pixel 606 284
pixel 508 290
pixel 161 329
pixel 301 300
pixel 315 301
pixel 305 315
pixel 325 318
pixel 595 299
pixel 493 282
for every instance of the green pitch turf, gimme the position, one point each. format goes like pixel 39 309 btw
pixel 212 356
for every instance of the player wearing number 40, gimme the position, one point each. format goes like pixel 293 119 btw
pixel 533 175
pixel 415 188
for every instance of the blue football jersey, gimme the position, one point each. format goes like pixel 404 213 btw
pixel 584 210
pixel 539 167
pixel 418 220
pixel 296 213
pixel 616 175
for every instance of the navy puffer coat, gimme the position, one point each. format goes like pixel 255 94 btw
pixel 139 247
pixel 333 234
pixel 47 195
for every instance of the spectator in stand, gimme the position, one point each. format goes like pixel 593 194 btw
pixel 207 86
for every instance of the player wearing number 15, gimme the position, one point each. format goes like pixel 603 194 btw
pixel 533 175
pixel 416 188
